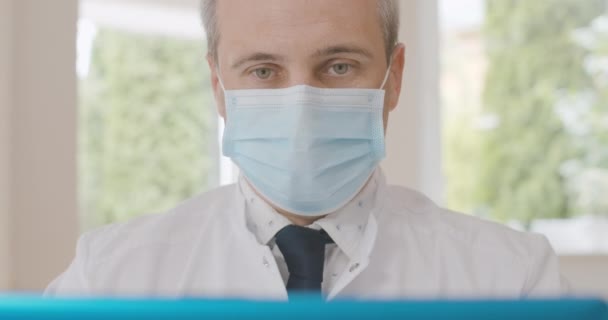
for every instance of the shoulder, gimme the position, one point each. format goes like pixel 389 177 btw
pixel 470 232
pixel 488 253
pixel 175 226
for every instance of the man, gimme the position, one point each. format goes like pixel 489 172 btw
pixel 306 88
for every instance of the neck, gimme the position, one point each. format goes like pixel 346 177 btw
pixel 298 220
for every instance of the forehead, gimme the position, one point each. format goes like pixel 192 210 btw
pixel 297 26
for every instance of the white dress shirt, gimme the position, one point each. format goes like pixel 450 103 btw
pixel 345 226
pixel 390 243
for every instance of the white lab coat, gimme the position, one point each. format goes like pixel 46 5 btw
pixel 413 249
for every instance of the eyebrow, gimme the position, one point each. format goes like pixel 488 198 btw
pixel 333 50
pixel 257 56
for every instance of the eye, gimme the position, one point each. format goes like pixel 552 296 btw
pixel 340 68
pixel 263 73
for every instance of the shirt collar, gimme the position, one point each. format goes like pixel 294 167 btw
pixel 345 226
pixel 262 220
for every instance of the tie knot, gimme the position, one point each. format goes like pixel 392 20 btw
pixel 304 252
pixel 302 237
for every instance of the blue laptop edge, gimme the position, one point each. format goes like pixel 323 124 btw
pixel 304 307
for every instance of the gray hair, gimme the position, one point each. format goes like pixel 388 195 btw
pixel 388 10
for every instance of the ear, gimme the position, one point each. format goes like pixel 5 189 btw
pixel 218 92
pixel 393 85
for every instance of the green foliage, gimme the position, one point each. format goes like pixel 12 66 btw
pixel 148 129
pixel 585 115
pixel 461 158
pixel 533 60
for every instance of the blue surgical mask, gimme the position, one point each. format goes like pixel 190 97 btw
pixel 308 151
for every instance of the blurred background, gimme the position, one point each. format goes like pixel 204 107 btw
pixel 106 113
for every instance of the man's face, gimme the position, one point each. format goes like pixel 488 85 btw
pixel 321 43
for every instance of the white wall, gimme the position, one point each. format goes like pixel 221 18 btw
pixel 5 141
pixel 43 140
pixel 413 137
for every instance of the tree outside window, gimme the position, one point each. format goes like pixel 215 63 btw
pixel 525 109
pixel 148 127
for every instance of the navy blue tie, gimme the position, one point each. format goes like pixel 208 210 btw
pixel 304 252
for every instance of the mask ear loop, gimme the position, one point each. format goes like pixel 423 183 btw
pixel 388 70
pixel 219 77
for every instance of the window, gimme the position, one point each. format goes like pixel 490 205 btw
pixel 148 128
pixel 524 96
